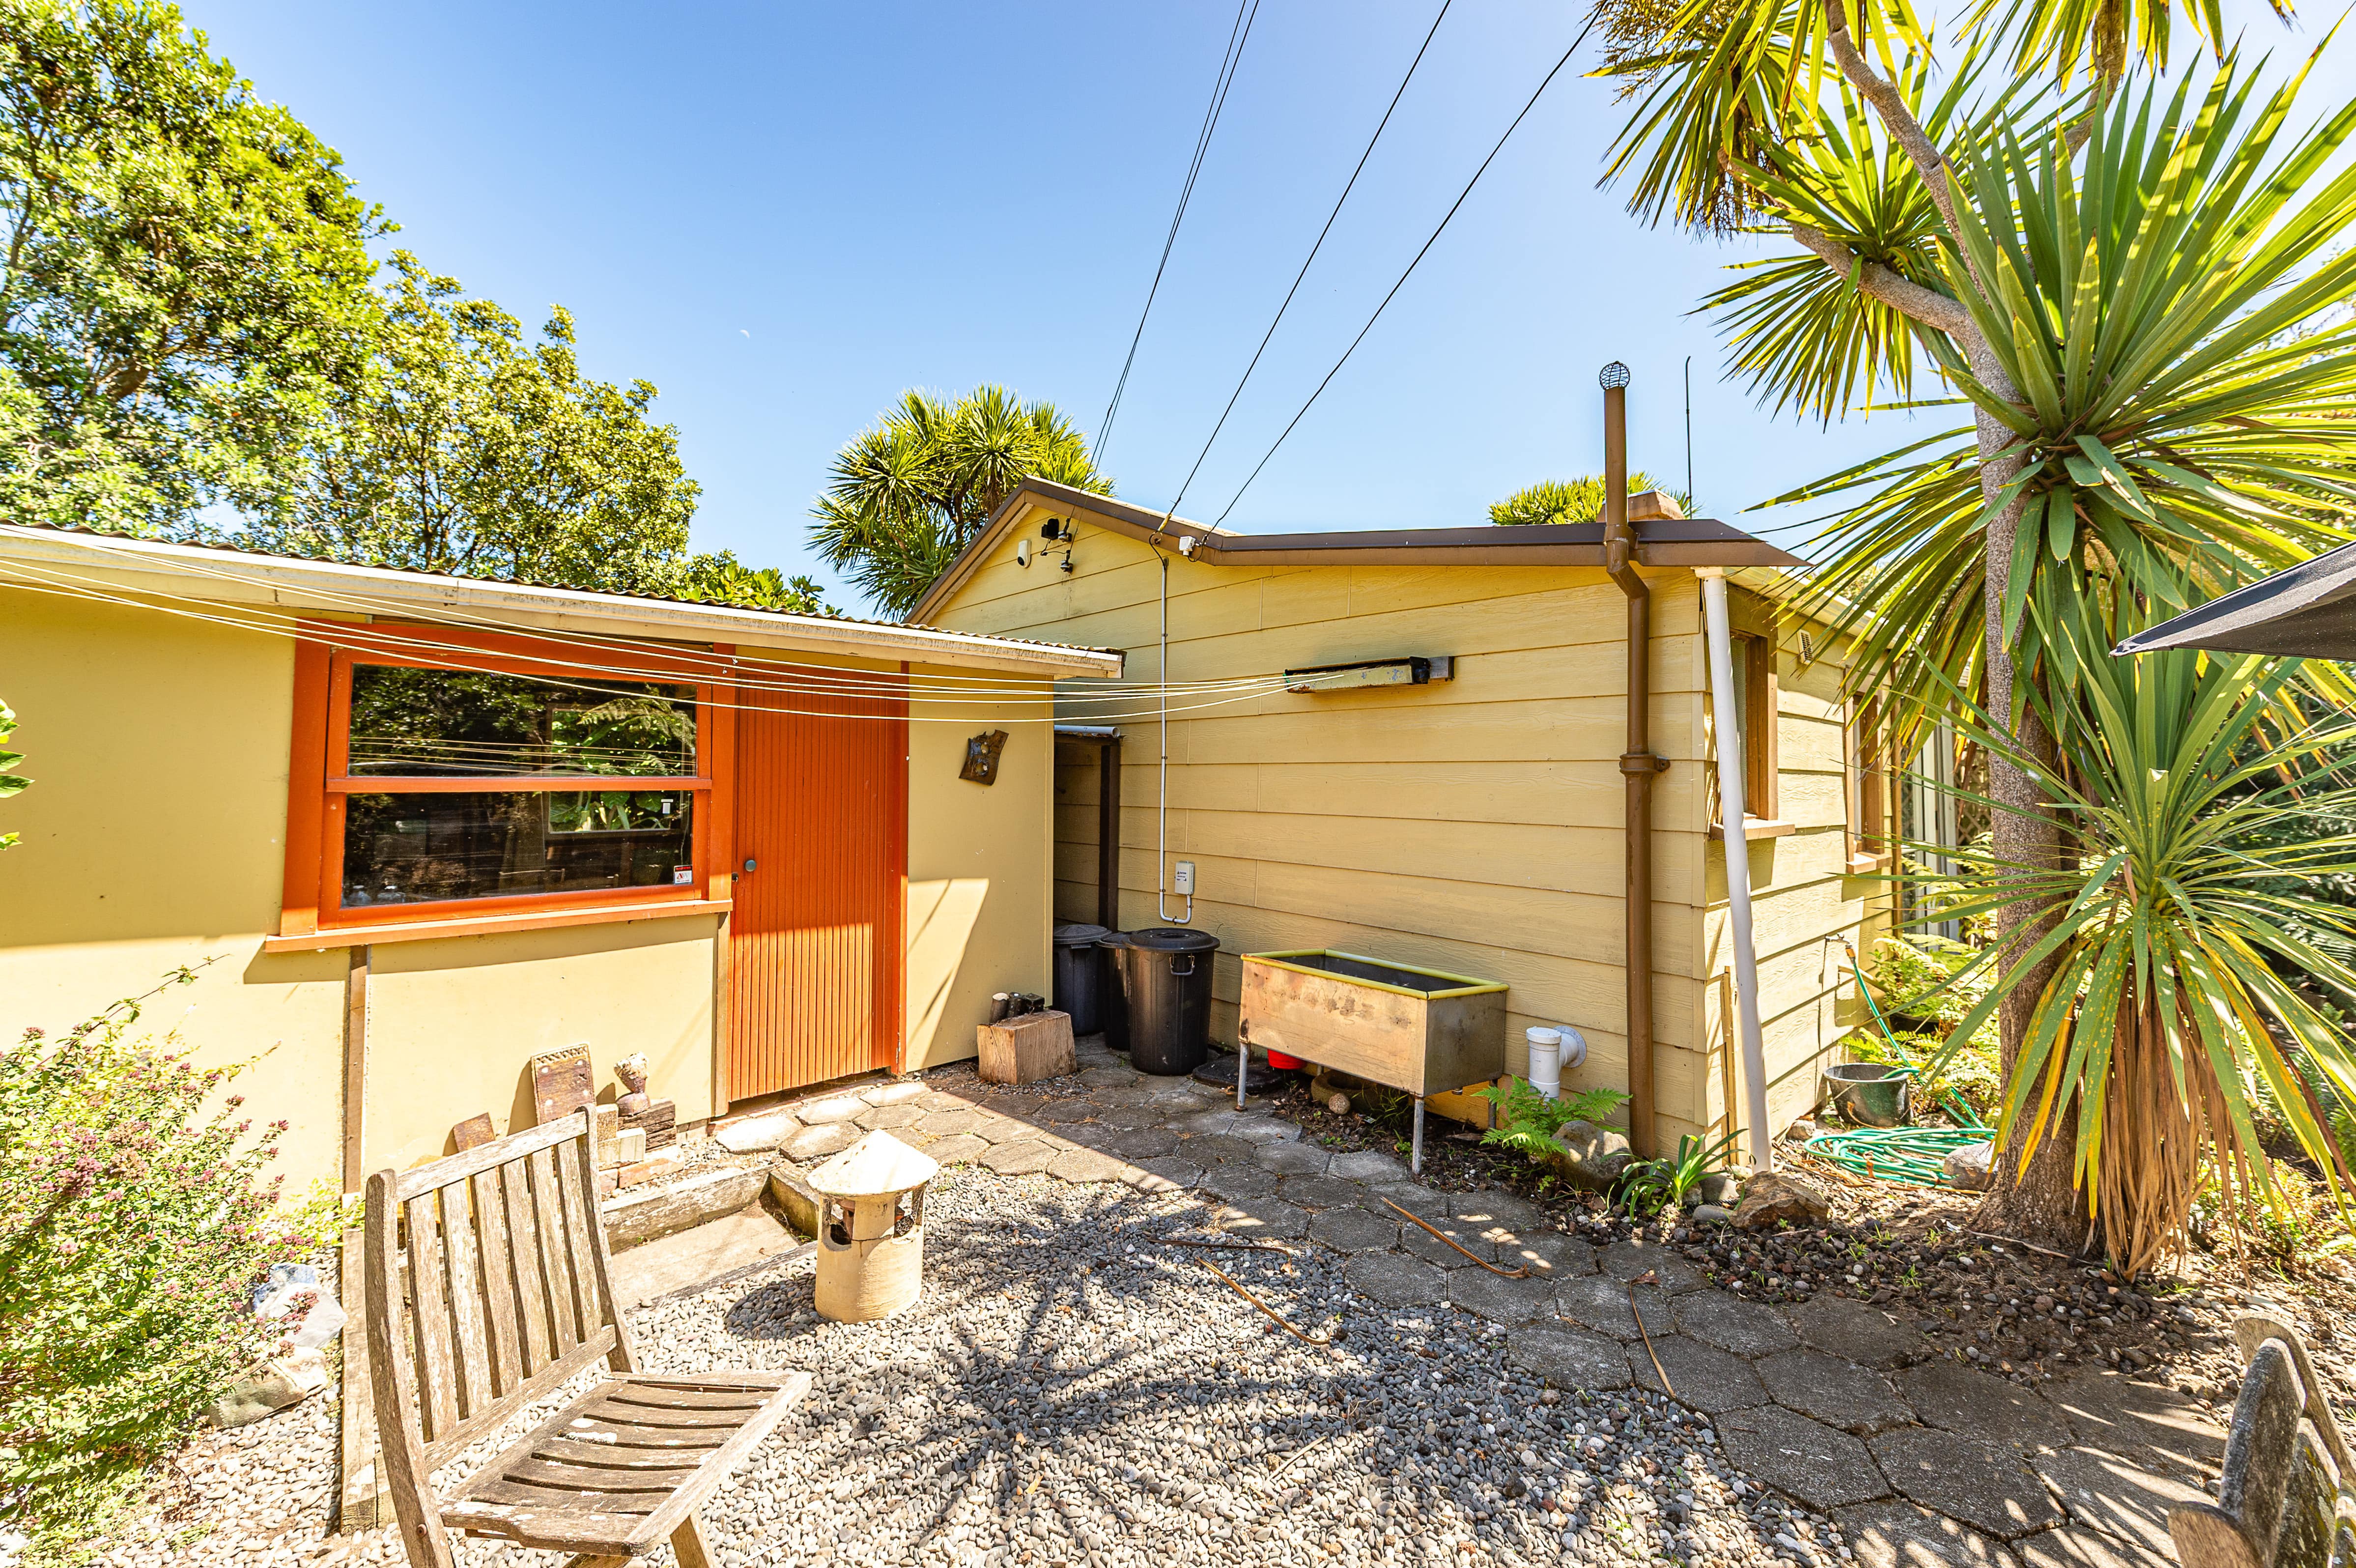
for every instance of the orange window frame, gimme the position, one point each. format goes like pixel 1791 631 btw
pixel 319 783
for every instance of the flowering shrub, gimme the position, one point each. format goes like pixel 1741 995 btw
pixel 134 1217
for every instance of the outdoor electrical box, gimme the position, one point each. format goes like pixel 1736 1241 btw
pixel 1185 878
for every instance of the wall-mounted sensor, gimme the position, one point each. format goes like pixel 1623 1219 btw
pixel 1182 878
pixel 1187 544
pixel 1023 553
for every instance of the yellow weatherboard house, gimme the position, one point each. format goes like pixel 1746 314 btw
pixel 1457 775
pixel 419 830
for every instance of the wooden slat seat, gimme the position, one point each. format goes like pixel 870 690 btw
pixel 489 1289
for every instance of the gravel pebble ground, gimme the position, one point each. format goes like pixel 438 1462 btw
pixel 1069 1391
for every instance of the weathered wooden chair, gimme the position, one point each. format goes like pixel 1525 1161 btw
pixel 2284 1499
pixel 501 1297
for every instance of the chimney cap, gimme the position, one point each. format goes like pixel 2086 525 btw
pixel 1613 376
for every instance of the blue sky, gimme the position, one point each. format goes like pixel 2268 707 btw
pixel 782 215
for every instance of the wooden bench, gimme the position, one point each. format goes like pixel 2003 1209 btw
pixel 2285 1498
pixel 487 1290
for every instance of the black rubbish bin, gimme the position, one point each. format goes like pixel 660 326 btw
pixel 1079 975
pixel 1168 974
pixel 1112 990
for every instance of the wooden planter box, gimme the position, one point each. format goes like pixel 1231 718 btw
pixel 1421 1031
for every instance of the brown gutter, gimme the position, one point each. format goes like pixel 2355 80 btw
pixel 1639 763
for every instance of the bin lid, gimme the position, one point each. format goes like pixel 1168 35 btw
pixel 1173 939
pixel 1113 939
pixel 1080 935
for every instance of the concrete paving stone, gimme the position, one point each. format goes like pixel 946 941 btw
pixel 1396 1280
pixel 1898 1534
pixel 1950 1395
pixel 956 1149
pixel 1084 1166
pixel 991 1128
pixel 1235 1179
pixel 2116 1495
pixel 886 1117
pixel 1500 1300
pixel 1073 1107
pixel 1503 1211
pixel 2122 1414
pixel 1568 1358
pixel 1854 1331
pixel 1171 1091
pixel 1293 1159
pixel 1175 1169
pixel 1092 1134
pixel 1021 1158
pixel 1804 1460
pixel 898 1092
pixel 1626 1259
pixel 1203 1122
pixel 1602 1302
pixel 1548 1254
pixel 1209 1147
pixel 1836 1392
pixel 832 1108
pixel 1352 1230
pixel 1265 1130
pixel 942 1100
pixel 943 1123
pixel 1134 1117
pixel 1135 1091
pixel 816 1143
pixel 2074 1546
pixel 1983 1483
pixel 1701 1377
pixel 1745 1328
pixel 1140 1143
pixel 1111 1075
pixel 1270 1219
pixel 1413 1197
pixel 1320 1192
pixel 1432 1249
pixel 1367 1165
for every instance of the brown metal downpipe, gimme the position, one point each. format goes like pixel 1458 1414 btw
pixel 1638 764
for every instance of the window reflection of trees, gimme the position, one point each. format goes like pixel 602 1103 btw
pixel 422 723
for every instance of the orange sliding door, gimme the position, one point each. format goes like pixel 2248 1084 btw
pixel 815 969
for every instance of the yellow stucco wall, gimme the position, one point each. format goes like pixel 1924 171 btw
pixel 153 838
pixel 980 865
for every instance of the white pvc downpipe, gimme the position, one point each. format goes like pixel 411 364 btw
pixel 1161 790
pixel 1720 637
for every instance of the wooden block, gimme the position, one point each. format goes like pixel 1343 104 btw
pixel 629 1147
pixel 609 1182
pixel 609 1121
pixel 1028 1048
pixel 560 1083
pixel 659 1121
pixel 473 1133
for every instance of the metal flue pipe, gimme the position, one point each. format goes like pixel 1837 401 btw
pixel 1638 764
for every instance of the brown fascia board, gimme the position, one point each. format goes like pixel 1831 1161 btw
pixel 1661 542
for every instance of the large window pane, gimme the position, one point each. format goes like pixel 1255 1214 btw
pixel 411 849
pixel 464 722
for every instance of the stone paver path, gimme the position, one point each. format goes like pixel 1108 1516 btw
pixel 1922 1460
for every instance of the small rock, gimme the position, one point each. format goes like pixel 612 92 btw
pixel 1589 1155
pixel 288 1380
pixel 1711 1214
pixel 1971 1166
pixel 1772 1196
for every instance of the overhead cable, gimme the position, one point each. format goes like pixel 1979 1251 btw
pixel 1303 273
pixel 1428 243
pixel 1246 12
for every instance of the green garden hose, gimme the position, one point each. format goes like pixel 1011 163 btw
pixel 1914 1155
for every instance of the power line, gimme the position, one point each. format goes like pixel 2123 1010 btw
pixel 1246 12
pixel 1377 316
pixel 1303 273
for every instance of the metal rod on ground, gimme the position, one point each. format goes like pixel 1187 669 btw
pixel 1649 1277
pixel 1273 1316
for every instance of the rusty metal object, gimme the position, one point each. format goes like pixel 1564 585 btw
pixel 1273 1316
pixel 1521 1273
pixel 1649 1277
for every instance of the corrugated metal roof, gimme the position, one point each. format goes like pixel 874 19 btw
pixel 784 617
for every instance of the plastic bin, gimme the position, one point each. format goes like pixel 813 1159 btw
pixel 1112 992
pixel 1166 974
pixel 1079 975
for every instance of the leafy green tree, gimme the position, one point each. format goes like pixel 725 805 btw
pixel 2104 280
pixel 184 271
pixel 11 782
pixel 466 449
pixel 723 579
pixel 913 489
pixel 1571 500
